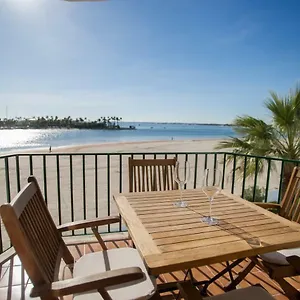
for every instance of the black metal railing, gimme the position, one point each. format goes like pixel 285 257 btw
pixel 81 185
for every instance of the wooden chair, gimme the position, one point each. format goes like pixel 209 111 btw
pixel 189 292
pixel 289 207
pixel 108 274
pixel 285 263
pixel 147 175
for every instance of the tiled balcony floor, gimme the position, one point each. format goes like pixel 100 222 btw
pixel 14 282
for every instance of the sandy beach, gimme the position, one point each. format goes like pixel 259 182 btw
pixel 199 145
pixel 91 194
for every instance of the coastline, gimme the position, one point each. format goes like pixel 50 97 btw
pixel 188 145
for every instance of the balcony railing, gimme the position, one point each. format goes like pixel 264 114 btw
pixel 81 185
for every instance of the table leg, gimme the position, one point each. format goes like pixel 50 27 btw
pixel 241 275
pixel 171 286
pixel 228 268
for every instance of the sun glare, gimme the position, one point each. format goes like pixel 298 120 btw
pixel 23 4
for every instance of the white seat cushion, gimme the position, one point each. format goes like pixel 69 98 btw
pixel 113 259
pixel 249 293
pixel 279 257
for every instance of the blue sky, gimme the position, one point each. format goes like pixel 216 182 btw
pixel 147 60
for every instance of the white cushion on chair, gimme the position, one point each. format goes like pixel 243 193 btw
pixel 279 257
pixel 94 263
pixel 250 293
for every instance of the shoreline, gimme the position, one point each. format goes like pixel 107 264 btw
pixel 117 146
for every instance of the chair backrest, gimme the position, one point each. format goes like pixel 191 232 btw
pixel 290 205
pixel 147 175
pixel 34 235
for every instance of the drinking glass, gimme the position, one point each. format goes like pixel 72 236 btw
pixel 211 186
pixel 181 176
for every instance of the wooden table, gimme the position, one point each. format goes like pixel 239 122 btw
pixel 172 238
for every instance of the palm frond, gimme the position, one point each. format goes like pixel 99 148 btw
pixel 280 138
pixel 283 111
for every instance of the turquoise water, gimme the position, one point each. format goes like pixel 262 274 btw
pixel 18 139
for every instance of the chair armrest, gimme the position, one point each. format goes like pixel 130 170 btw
pixel 294 260
pixel 87 283
pixel 88 223
pixel 268 205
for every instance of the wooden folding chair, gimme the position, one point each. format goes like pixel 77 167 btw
pixel 147 175
pixel 108 274
pixel 285 263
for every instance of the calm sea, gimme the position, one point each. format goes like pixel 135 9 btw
pixel 18 139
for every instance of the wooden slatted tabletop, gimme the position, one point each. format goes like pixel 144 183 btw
pixel 173 238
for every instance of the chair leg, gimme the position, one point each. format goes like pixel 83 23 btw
pixel 240 276
pixel 133 245
pixel 289 290
pixel 156 296
pixel 276 275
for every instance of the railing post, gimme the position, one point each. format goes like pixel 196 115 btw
pixel 233 173
pixel 255 179
pixel 7 180
pixel 45 178
pixel 121 183
pixel 58 188
pixel 30 165
pixel 96 186
pixel 83 189
pixel 108 188
pixel 196 170
pixel 18 173
pixel 244 175
pixel 224 170
pixel 71 189
pixel 186 159
pixel 280 183
pixel 215 161
pixel 268 179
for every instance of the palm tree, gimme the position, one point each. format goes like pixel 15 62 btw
pixel 113 119
pixel 280 137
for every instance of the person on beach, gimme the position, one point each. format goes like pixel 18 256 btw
pixel 50 149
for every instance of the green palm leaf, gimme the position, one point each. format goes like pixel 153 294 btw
pixel 280 137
